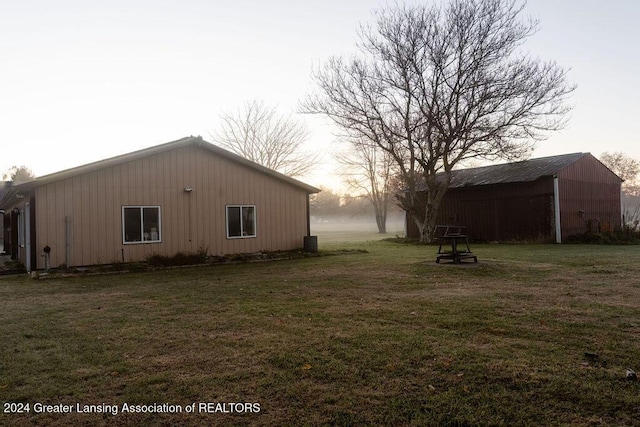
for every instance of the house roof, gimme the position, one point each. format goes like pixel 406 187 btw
pixel 523 171
pixel 5 186
pixel 113 161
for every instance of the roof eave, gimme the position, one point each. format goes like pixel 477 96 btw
pixel 15 194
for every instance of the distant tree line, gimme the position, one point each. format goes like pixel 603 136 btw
pixel 628 169
pixel 329 205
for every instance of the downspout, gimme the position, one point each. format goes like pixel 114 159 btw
pixel 27 236
pixel 622 218
pixel 33 233
pixel 556 207
pixel 310 242
pixel 67 241
pixel 308 216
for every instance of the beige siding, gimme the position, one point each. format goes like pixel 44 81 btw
pixel 93 202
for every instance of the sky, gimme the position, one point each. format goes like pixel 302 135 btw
pixel 84 80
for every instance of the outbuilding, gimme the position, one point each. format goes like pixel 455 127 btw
pixel 543 199
pixel 182 196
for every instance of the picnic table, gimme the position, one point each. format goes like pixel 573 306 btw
pixel 452 236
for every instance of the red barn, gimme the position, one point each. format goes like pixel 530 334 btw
pixel 541 199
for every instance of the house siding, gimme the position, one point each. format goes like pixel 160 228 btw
pixel 189 221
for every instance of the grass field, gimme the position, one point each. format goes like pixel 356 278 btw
pixel 348 232
pixel 531 335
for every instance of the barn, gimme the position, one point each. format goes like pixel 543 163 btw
pixel 182 196
pixel 543 199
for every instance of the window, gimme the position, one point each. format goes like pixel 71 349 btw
pixel 241 222
pixel 141 224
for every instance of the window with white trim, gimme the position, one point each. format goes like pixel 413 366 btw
pixel 241 221
pixel 141 224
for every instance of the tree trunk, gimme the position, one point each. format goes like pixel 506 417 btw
pixel 380 210
pixel 427 227
pixel 426 220
pixel 381 222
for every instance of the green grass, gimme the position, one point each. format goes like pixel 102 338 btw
pixel 386 337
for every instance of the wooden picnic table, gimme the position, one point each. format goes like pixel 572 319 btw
pixel 451 235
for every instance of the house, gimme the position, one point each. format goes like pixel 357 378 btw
pixel 540 199
pixel 181 196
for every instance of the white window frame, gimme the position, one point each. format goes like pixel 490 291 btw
pixel 142 207
pixel 255 222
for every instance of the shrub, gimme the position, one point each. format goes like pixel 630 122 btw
pixel 14 266
pixel 619 237
pixel 180 258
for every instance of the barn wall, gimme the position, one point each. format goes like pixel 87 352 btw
pixel 589 197
pixel 92 205
pixel 517 211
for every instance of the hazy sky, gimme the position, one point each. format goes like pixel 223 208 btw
pixel 84 80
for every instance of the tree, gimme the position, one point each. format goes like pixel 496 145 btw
pixel 368 169
pixel 626 168
pixel 324 204
pixel 19 174
pixel 434 86
pixel 355 207
pixel 256 132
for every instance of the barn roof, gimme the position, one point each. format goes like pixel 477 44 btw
pixel 523 171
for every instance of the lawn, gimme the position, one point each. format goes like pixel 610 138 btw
pixel 531 335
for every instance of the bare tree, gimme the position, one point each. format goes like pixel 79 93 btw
pixel 626 168
pixel 368 170
pixel 434 86
pixel 256 132
pixel 324 204
pixel 19 174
